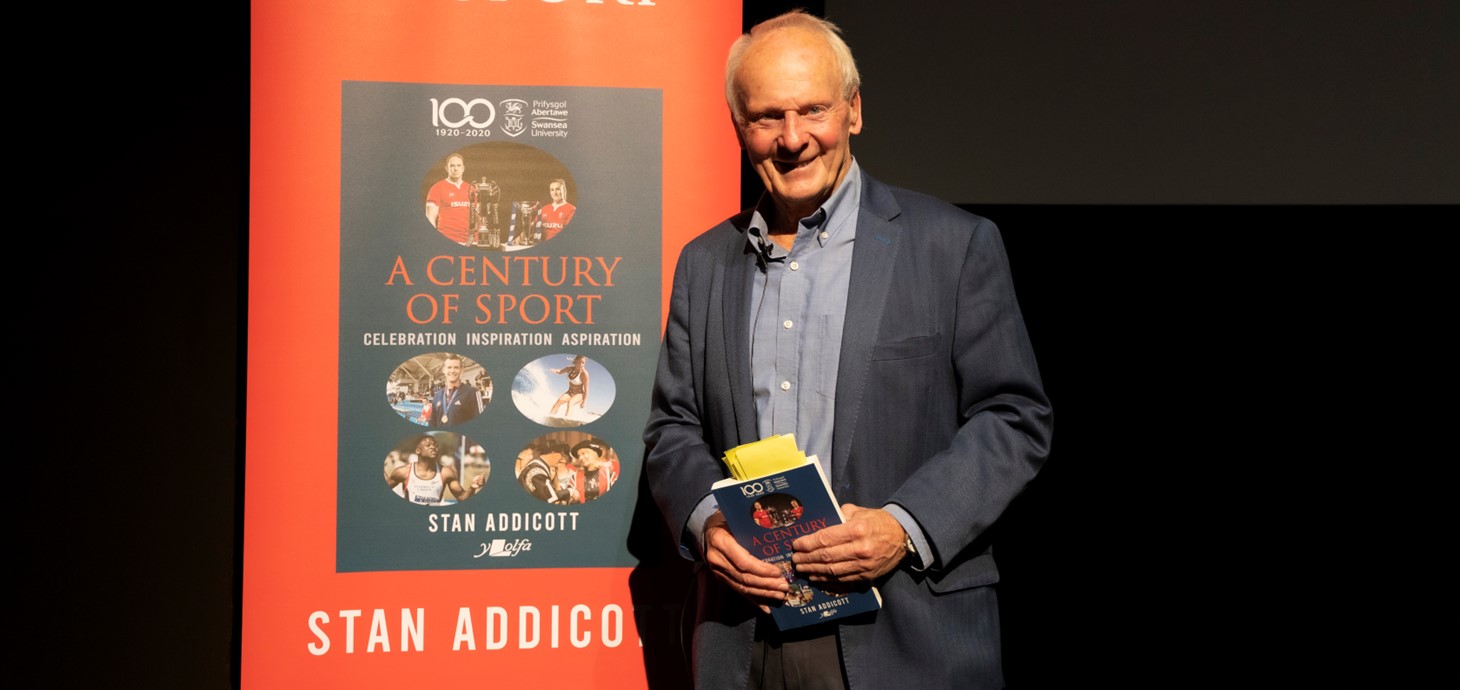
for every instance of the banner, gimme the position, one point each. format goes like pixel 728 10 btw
pixel 463 217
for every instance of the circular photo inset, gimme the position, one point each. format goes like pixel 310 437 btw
pixel 439 389
pixel 567 467
pixel 563 390
pixel 499 196
pixel 436 468
pixel 799 594
pixel 776 510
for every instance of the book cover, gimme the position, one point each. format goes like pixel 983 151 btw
pixel 767 513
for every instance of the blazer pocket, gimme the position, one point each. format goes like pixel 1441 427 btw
pixel 975 572
pixel 911 348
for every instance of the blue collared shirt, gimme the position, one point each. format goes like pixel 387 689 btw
pixel 797 315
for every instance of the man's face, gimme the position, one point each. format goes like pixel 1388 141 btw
pixel 557 192
pixel 797 127
pixel 451 369
pixel 454 168
pixel 426 448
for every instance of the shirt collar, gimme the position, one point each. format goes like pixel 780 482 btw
pixel 827 222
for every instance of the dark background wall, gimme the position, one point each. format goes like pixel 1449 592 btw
pixel 1204 203
pixel 1151 102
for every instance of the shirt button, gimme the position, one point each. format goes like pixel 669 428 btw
pixel 825 235
pixel 795 266
pixel 786 323
pixel 785 385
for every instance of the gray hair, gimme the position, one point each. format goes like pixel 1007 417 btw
pixel 795 19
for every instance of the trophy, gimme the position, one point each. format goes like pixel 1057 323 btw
pixel 525 229
pixel 486 215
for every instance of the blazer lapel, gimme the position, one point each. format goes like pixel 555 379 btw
pixel 878 240
pixel 739 270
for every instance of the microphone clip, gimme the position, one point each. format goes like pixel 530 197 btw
pixel 763 256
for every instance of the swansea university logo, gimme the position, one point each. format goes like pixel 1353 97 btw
pixel 514 110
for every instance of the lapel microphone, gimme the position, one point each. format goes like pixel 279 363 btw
pixel 763 254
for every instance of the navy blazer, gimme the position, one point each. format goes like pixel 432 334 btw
pixel 463 406
pixel 939 409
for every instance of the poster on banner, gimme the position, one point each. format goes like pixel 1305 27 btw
pixel 497 247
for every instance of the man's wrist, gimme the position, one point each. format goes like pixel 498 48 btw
pixel 917 551
pixel 908 547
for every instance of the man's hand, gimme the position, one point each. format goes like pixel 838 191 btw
pixel 754 579
pixel 865 547
pixel 478 482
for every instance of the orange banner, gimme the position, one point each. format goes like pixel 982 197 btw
pixel 312 616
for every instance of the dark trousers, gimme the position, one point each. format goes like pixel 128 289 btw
pixel 805 659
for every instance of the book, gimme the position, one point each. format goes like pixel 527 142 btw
pixel 766 513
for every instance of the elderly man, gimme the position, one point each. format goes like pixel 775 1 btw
pixel 879 326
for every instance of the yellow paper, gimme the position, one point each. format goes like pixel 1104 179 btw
pixel 759 458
